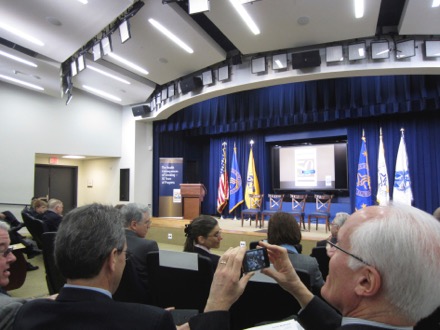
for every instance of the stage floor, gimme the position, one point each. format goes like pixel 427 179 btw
pixel 231 226
pixel 232 233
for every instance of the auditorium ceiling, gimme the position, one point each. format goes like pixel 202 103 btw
pixel 60 31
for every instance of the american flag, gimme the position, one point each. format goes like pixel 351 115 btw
pixel 223 184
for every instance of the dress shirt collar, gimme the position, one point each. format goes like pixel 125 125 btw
pixel 202 247
pixel 103 291
pixel 352 320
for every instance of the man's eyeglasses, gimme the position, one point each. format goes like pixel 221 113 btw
pixel 333 245
pixel 6 252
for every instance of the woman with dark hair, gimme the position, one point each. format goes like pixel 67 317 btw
pixel 284 231
pixel 202 235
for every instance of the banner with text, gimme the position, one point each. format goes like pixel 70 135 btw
pixel 171 173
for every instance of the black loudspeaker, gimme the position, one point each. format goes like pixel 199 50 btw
pixel 191 83
pixel 306 59
pixel 141 110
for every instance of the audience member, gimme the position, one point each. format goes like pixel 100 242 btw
pixel 54 214
pixel 336 224
pixel 369 281
pixel 93 268
pixel 202 235
pixel 137 222
pixel 283 230
pixel 8 306
pixel 29 209
pixel 30 249
pixel 39 208
pixel 432 322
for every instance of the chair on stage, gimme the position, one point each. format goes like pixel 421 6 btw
pixel 179 279
pixel 256 201
pixel 322 211
pixel 298 207
pixel 249 310
pixel 275 205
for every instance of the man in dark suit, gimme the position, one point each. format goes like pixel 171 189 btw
pixel 90 252
pixel 137 222
pixel 378 279
pixel 54 214
pixel 337 223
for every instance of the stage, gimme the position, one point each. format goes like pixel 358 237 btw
pixel 232 232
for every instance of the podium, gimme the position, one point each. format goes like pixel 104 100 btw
pixel 192 195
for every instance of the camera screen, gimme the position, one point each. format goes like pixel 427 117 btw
pixel 255 259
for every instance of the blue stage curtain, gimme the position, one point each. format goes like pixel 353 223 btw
pixel 391 102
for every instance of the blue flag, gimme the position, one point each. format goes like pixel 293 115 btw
pixel 363 182
pixel 235 184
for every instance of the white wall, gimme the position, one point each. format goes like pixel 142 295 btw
pixel 33 123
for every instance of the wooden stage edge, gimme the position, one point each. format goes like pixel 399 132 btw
pixel 233 227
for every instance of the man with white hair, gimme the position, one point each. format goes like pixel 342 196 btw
pixel 378 277
pixel 8 306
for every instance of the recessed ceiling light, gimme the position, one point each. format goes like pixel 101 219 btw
pixel 128 63
pixel 18 59
pixel 101 93
pixel 21 82
pixel 21 34
pixel 104 73
pixel 245 16
pixel 170 35
pixel 73 157
pixel 359 8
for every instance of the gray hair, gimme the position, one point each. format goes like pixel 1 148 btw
pixel 53 203
pixel 402 243
pixel 85 239
pixel 133 211
pixel 340 218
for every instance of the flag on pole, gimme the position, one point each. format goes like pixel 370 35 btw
pixel 252 185
pixel 383 189
pixel 402 182
pixel 223 184
pixel 235 184
pixel 363 186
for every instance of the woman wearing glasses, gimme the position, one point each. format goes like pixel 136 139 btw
pixel 202 235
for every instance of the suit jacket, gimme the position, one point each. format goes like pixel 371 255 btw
pixel 310 265
pixel 214 258
pixel 52 220
pixel 84 309
pixel 318 315
pixel 8 309
pixel 139 247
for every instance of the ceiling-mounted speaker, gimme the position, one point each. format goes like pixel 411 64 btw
pixel 190 84
pixel 141 110
pixel 306 59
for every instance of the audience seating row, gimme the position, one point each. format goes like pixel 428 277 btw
pixel 298 202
